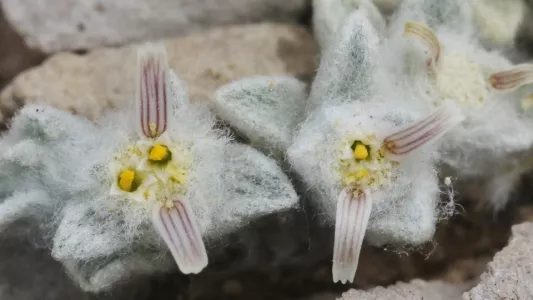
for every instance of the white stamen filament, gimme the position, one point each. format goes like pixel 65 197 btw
pixel 178 228
pixel 353 212
pixel 513 78
pixel 427 37
pixel 423 131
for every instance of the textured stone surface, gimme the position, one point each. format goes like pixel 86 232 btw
pixel 103 78
pixel 414 290
pixel 15 56
pixel 510 274
pixel 53 25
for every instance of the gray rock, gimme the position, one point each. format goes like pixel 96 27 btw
pixel 89 84
pixel 53 25
pixel 414 290
pixel 510 274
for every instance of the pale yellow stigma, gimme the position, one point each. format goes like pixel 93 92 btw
pixel 159 152
pixel 153 129
pixel 169 204
pixel 360 151
pixel 126 179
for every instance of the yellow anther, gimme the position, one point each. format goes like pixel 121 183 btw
pixel 125 181
pixel 361 174
pixel 146 194
pixel 360 151
pixel 271 84
pixel 159 152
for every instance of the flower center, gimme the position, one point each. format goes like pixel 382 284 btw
pixel 364 164
pixel 459 79
pixel 127 180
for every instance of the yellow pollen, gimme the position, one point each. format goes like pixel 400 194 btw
pixel 158 152
pixel 361 174
pixel 146 194
pixel 125 181
pixel 153 127
pixel 360 151
pixel 169 204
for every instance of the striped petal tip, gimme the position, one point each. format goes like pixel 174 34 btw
pixel 176 224
pixel 353 212
pixel 428 38
pixel 513 78
pixel 423 131
pixel 152 103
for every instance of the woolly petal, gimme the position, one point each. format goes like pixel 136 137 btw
pixel 424 34
pixel 254 187
pixel 513 78
pixel 46 123
pixel 178 90
pixel 454 15
pixel 178 228
pixel 346 68
pixel 24 205
pixel 353 212
pixel 104 273
pixel 329 15
pixel 152 103
pixel 265 109
pixel 428 129
pixel 85 233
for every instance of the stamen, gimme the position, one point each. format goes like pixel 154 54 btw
pixel 178 227
pixel 360 151
pixel 152 98
pixel 159 153
pixel 427 37
pixel 513 78
pixel 126 180
pixel 423 131
pixel 353 212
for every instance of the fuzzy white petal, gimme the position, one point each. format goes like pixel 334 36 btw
pixel 353 212
pixel 178 228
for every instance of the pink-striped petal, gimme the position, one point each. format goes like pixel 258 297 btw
pixel 152 103
pixel 178 227
pixel 353 212
pixel 513 78
pixel 428 129
pixel 427 37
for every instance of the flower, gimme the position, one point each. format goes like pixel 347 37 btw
pixel 369 167
pixel 492 94
pixel 139 183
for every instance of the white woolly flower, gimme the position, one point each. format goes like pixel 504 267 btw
pixel 491 92
pixel 369 168
pixel 494 23
pixel 139 183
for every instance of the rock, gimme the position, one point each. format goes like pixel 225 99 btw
pixel 15 56
pixel 54 25
pixel 510 274
pixel 103 78
pixel 415 290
